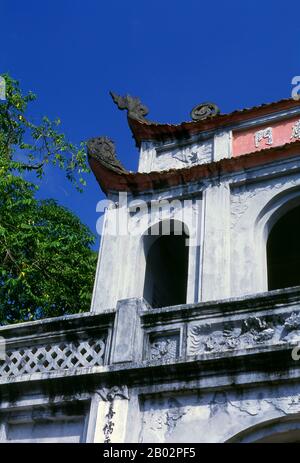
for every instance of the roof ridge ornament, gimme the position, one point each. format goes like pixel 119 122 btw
pixel 103 150
pixel 204 110
pixel 133 105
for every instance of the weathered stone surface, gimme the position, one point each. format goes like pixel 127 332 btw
pixel 204 110
pixel 217 368
pixel 133 105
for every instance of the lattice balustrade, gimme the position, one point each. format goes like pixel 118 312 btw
pixel 63 355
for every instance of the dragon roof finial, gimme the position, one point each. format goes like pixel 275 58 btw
pixel 133 105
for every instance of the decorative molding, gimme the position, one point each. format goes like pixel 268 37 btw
pixel 243 196
pixel 293 322
pixel 242 334
pixel 184 156
pixel 165 347
pixel 109 394
pixel 204 110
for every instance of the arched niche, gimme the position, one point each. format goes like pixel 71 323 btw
pixel 166 273
pixel 280 430
pixel 283 251
pixel 273 213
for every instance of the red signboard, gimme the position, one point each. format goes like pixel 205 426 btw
pixel 266 136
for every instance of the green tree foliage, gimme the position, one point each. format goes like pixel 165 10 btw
pixel 47 265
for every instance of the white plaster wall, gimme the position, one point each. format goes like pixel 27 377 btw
pixel 184 156
pixel 231 222
pixel 122 260
pixel 215 264
pixel 51 432
pixel 156 156
pixel 255 206
pixel 215 417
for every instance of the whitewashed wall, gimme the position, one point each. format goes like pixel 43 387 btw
pixel 231 217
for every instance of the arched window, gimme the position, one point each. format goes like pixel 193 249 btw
pixel 166 265
pixel 283 251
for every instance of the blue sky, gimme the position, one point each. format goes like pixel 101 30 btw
pixel 172 53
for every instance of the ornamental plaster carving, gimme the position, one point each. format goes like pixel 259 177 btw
pixel 165 422
pixel 183 156
pixel 253 331
pixel 164 348
pixel 204 110
pixel 109 394
pixel 55 356
pixel 242 198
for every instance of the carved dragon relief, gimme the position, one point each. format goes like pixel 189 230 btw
pixel 252 331
pixel 103 150
pixel 135 108
pixel 254 404
pixel 138 111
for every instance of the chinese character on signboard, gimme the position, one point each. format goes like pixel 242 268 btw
pixel 264 134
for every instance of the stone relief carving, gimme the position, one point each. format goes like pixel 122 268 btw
pixel 165 422
pixel 179 157
pixel 109 394
pixel 206 412
pixel 241 196
pixel 133 105
pixel 293 322
pixel 254 406
pixel 218 404
pixel 164 347
pixel 174 415
pixel 243 334
pixel 286 405
pixel 296 130
pixel 263 134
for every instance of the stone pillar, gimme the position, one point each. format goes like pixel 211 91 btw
pixel 215 275
pixel 222 145
pixel 147 155
pixel 127 344
pixel 110 411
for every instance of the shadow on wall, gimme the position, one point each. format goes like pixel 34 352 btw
pixel 166 251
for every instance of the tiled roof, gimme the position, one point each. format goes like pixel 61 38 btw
pixel 135 183
pixel 144 130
